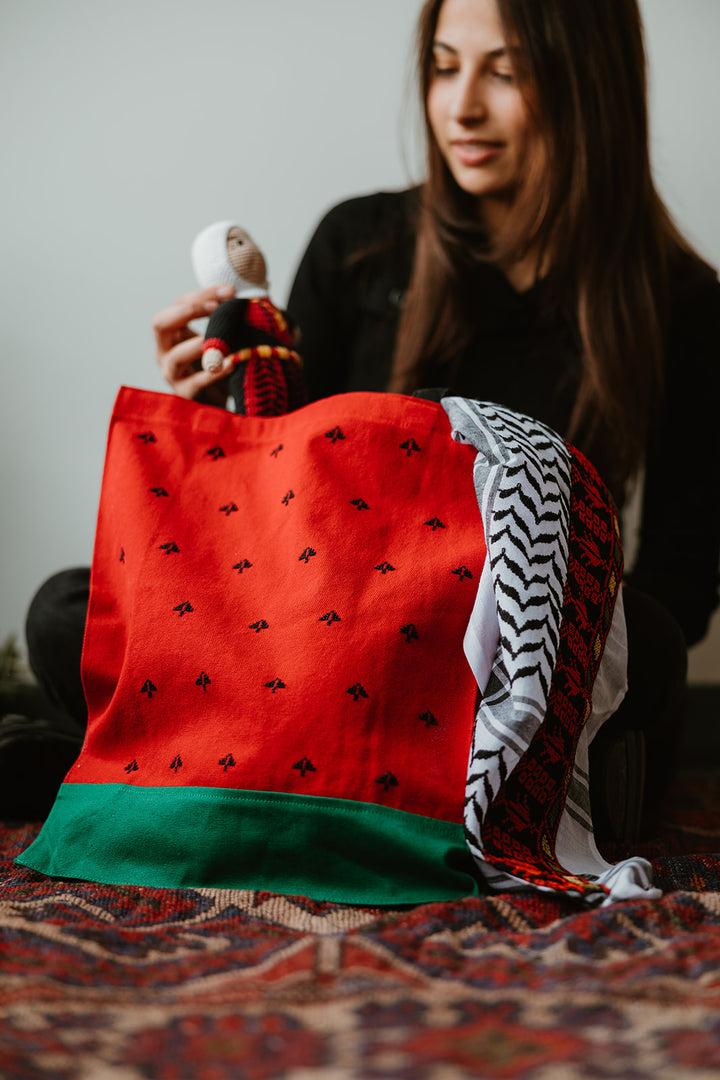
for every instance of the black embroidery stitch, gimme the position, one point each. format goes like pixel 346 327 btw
pixel 148 688
pixel 203 680
pixel 435 523
pixel 227 762
pixel 383 567
pixel 176 763
pixel 410 632
pixel 304 765
pixel 258 626
pixel 228 509
pixel 286 499
pixel 488 755
pixel 360 503
pixel 160 492
pixel 334 435
pixel 428 719
pixel 307 555
pixel 387 780
pixel 275 685
pixel 132 767
pixel 215 452
pixel 274 453
pixel 357 691
pixel 329 617
pixel 122 554
pixel 410 446
pixel 147 437
pixel 462 573
pixel 170 548
pixel 183 609
pixel 242 565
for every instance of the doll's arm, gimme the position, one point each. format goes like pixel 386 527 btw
pixel 223 334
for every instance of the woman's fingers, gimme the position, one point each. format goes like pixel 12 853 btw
pixel 206 385
pixel 182 358
pixel 181 368
pixel 189 306
pixel 178 349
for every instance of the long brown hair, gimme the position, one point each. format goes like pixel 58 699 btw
pixel 594 214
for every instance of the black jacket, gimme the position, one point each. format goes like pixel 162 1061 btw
pixel 525 354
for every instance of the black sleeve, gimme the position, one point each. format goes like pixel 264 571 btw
pixel 348 289
pixel 679 547
pixel 319 306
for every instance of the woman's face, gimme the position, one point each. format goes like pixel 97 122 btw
pixel 476 111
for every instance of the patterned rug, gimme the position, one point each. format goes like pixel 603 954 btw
pixel 129 983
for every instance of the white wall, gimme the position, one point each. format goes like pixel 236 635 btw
pixel 127 127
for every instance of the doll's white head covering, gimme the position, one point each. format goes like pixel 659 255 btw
pixel 212 265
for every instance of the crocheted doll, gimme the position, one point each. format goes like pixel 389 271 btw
pixel 266 379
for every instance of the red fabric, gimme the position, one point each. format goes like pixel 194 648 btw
pixel 279 603
pixel 263 315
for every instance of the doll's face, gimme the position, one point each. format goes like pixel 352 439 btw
pixel 245 257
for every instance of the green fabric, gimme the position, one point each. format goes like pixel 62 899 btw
pixel 326 849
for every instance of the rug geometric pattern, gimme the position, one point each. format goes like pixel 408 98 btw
pixel 198 984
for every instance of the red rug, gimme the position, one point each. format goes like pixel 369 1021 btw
pixel 130 983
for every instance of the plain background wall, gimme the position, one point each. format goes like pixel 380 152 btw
pixel 127 127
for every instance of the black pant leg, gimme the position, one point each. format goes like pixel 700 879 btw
pixel 655 706
pixel 54 631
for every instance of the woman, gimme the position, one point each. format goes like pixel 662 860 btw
pixel 536 267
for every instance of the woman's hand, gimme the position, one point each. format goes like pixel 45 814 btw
pixel 179 350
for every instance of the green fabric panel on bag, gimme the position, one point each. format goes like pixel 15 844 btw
pixel 326 849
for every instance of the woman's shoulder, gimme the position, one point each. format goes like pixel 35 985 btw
pixel 357 219
pixel 693 325
pixel 694 288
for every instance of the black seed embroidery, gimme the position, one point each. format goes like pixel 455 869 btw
pixel 304 765
pixel 132 767
pixel 274 453
pixel 215 452
pixel 357 691
pixel 383 567
pixel 148 688
pixel 122 554
pixel 435 523
pixel 462 573
pixel 228 509
pixel 160 492
pixel 410 632
pixel 242 565
pixel 387 780
pixel 276 684
pixel 286 498
pixel 329 617
pixel 334 435
pixel 360 503
pixel 170 549
pixel 147 437
pixel 307 555
pixel 176 763
pixel 409 446
pixel 227 762
pixel 183 609
pixel 258 626
pixel 428 719
pixel 203 681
